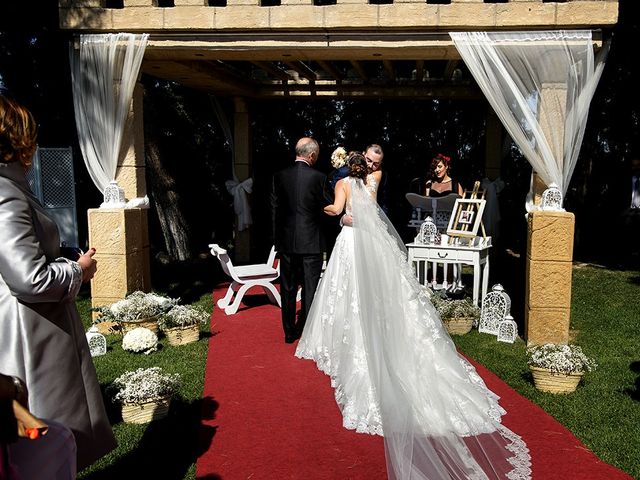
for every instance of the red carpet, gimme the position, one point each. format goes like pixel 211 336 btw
pixel 270 415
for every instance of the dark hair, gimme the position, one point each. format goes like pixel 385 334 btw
pixel 18 133
pixel 357 166
pixel 437 159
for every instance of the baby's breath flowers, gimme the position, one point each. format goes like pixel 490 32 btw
pixel 140 340
pixel 136 306
pixel 182 316
pixel 144 385
pixel 560 358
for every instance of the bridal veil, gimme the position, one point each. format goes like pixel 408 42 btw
pixel 439 419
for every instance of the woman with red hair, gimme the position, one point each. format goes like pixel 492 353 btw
pixel 440 183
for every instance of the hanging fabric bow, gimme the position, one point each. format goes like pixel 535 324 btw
pixel 241 206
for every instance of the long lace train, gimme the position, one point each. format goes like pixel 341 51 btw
pixel 394 368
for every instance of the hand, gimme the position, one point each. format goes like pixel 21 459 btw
pixel 28 425
pixel 88 265
pixel 347 220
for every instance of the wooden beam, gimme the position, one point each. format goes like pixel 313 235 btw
pixel 390 69
pixel 448 70
pixel 419 70
pixel 330 69
pixel 357 66
pixel 371 91
pixel 272 69
pixel 303 70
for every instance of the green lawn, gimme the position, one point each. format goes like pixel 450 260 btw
pixel 604 413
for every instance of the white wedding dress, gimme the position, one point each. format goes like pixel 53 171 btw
pixel 394 368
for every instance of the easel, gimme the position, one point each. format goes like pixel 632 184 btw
pixel 460 228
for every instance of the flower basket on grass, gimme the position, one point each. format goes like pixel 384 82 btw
pixel 558 368
pixel 181 324
pixel 458 316
pixel 136 310
pixel 145 394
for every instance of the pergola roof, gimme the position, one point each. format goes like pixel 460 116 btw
pixel 304 48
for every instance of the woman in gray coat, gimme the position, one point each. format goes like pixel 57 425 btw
pixel 42 339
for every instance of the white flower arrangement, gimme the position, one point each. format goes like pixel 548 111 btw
pixel 135 306
pixel 560 358
pixel 459 308
pixel 339 157
pixel 140 340
pixel 182 316
pixel 144 385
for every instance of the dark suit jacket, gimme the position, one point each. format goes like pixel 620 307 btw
pixel 299 194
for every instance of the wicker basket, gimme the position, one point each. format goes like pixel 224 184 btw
pixel 108 327
pixel 183 335
pixel 546 381
pixel 458 325
pixel 145 412
pixel 151 323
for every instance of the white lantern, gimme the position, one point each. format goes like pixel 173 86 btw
pixel 113 196
pixel 551 198
pixel 507 330
pixel 496 305
pixel 97 342
pixel 428 232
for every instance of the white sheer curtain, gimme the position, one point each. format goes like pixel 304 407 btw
pixel 104 70
pixel 537 82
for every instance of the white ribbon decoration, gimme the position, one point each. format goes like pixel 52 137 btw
pixel 241 206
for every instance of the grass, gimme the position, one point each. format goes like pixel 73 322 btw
pixel 166 448
pixel 604 412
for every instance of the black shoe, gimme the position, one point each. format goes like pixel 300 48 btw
pixel 290 338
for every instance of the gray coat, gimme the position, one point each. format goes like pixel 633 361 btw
pixel 42 339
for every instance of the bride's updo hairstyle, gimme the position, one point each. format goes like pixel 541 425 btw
pixel 357 166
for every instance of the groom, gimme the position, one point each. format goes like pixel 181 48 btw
pixel 299 194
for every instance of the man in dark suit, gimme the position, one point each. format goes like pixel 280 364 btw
pixel 373 154
pixel 299 195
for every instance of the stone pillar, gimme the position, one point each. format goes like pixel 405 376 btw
pixel 243 168
pixel 121 237
pixel 549 272
pixel 550 242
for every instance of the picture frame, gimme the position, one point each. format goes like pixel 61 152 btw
pixel 466 217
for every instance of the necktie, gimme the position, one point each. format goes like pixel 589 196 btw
pixel 635 192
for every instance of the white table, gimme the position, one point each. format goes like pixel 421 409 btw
pixel 477 256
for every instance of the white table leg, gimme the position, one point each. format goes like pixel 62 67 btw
pixel 476 277
pixel 485 277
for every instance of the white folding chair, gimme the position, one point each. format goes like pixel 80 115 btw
pixel 245 277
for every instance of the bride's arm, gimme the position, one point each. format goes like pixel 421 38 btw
pixel 378 177
pixel 338 203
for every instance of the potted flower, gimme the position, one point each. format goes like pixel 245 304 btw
pixel 458 316
pixel 558 368
pixel 140 340
pixel 145 394
pixel 181 324
pixel 137 309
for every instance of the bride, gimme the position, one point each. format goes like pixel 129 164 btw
pixel 394 368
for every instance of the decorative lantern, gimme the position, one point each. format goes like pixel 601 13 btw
pixel 496 305
pixel 428 233
pixel 113 196
pixel 507 330
pixel 97 342
pixel 551 198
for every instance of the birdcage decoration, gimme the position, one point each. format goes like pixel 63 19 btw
pixel 428 233
pixel 496 305
pixel 113 196
pixel 507 330
pixel 97 342
pixel 551 198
